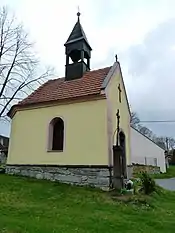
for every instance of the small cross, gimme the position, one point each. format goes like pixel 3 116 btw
pixel 78 13
pixel 120 98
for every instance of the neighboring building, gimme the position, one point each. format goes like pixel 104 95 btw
pixel 145 151
pixel 4 143
pixel 66 129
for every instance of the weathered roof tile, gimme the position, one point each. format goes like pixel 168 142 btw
pixel 59 89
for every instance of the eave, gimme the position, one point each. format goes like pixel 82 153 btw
pixel 19 107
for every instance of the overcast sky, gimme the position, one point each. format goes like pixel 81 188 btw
pixel 141 32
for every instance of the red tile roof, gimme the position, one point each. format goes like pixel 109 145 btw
pixel 90 85
pixel 59 89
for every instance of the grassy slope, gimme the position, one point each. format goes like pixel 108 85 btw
pixel 169 174
pixel 32 206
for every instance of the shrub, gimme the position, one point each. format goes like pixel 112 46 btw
pixel 148 185
pixel 2 169
pixel 136 185
pixel 123 191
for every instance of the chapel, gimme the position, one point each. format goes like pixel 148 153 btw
pixel 66 129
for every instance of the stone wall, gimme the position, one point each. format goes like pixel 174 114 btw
pixel 90 176
pixel 135 169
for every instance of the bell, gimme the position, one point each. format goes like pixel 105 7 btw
pixel 75 55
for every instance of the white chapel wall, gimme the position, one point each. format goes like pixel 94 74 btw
pixel 144 151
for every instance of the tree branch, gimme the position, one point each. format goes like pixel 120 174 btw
pixel 8 102
pixel 19 67
pixel 9 71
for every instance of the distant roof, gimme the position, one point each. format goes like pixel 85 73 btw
pixel 2 136
pixel 59 89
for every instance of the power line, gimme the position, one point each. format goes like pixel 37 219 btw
pixel 166 121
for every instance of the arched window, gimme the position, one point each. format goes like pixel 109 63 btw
pixel 56 134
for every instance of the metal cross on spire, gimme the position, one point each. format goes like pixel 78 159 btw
pixel 78 13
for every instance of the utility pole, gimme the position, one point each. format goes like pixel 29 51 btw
pixel 167 145
pixel 167 153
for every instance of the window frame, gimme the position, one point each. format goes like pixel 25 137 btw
pixel 50 135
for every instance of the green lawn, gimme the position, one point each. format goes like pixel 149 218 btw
pixel 33 206
pixel 169 174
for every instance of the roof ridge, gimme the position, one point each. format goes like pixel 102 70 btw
pixel 98 69
pixel 63 78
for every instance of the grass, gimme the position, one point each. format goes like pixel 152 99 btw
pixel 169 174
pixel 33 206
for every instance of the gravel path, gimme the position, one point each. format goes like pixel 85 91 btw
pixel 168 184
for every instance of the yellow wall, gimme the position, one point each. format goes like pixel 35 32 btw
pixel 85 135
pixel 113 105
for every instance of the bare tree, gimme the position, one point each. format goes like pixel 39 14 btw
pixel 160 141
pixel 19 68
pixel 167 143
pixel 145 131
pixel 171 143
pixel 135 123
pixel 134 120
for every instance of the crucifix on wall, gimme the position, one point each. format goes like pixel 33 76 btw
pixel 120 91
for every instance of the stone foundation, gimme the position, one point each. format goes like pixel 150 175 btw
pixel 89 176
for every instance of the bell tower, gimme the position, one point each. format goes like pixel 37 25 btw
pixel 78 51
